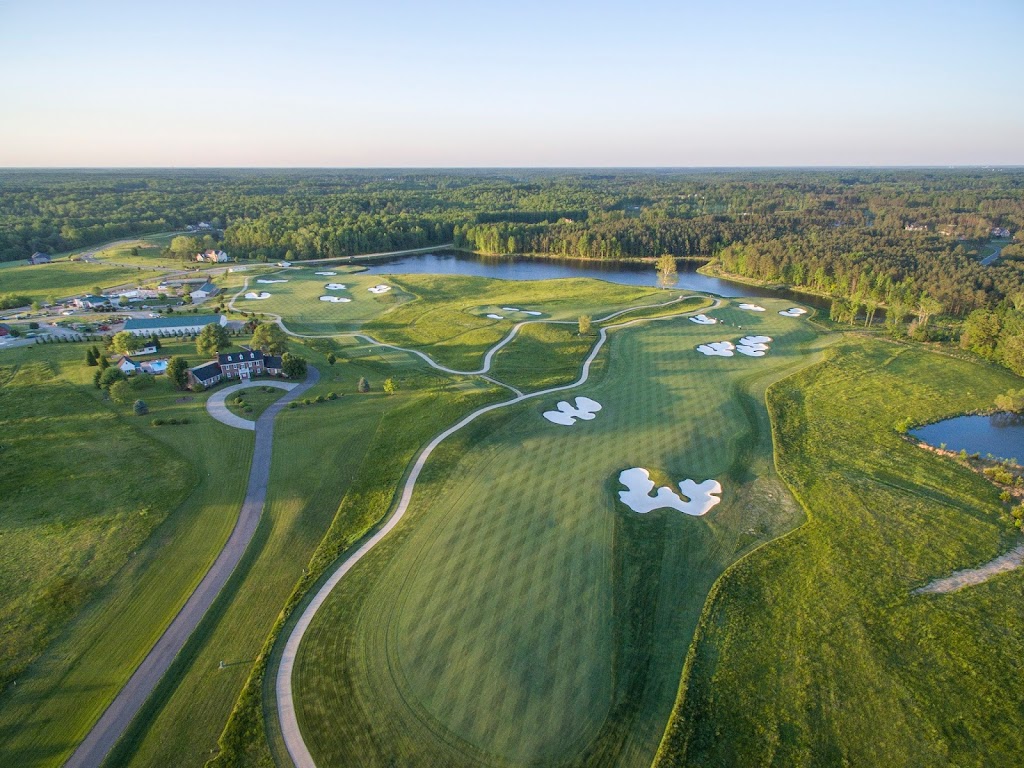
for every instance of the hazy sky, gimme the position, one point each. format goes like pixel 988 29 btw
pixel 511 84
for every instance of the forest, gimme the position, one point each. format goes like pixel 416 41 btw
pixel 872 237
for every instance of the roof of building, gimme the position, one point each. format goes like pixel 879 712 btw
pixel 206 371
pixel 124 359
pixel 207 287
pixel 248 355
pixel 169 321
pixel 272 362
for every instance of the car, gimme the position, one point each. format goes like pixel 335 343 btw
pixel 68 312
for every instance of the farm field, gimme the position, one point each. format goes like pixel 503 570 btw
pixel 814 649
pixel 520 614
pixel 66 278
pixel 122 557
pixel 298 303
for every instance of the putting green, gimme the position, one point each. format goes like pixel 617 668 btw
pixel 519 614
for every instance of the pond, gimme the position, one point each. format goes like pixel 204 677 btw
pixel 977 434
pixel 626 273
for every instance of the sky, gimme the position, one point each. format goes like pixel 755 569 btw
pixel 524 84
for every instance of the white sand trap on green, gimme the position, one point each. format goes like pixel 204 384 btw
pixel 326 274
pixel 268 282
pixel 511 309
pixel 717 348
pixel 378 289
pixel 703 320
pixel 566 414
pixel 260 295
pixel 335 286
pixel 533 312
pixel 335 299
pixel 793 312
pixel 702 496
pixel 753 346
pixel 752 307
pixel 495 317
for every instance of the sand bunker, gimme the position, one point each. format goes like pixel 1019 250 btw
pixel 533 312
pixel 703 320
pixel 638 496
pixel 335 287
pixel 335 299
pixel 379 288
pixel 511 309
pixel 260 295
pixel 793 312
pixel 718 348
pixel 495 317
pixel 326 274
pixel 268 282
pixel 566 414
pixel 752 307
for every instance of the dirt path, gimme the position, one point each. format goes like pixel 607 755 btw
pixel 122 710
pixel 970 576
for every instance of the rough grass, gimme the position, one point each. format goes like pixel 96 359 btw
pixel 114 462
pixel 813 650
pixel 65 278
pixel 519 613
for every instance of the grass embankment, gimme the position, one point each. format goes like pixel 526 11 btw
pixel 520 613
pixel 813 650
pixel 113 539
pixel 448 319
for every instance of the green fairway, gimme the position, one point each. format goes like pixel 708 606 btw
pixel 298 303
pixel 140 516
pixel 814 651
pixel 520 614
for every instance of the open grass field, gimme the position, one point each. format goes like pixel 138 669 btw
pixel 449 319
pixel 520 614
pixel 813 650
pixel 298 303
pixel 124 544
pixel 250 403
pixel 66 278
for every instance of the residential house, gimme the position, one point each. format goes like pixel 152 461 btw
pixel 149 349
pixel 39 258
pixel 90 302
pixel 916 227
pixel 1000 232
pixel 273 366
pixel 207 374
pixel 205 291
pixel 126 365
pixel 212 256
pixel 172 324
pixel 4 330
pixel 242 365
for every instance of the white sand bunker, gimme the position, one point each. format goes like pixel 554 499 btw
pixel 566 415
pixel 752 307
pixel 335 299
pixel 703 320
pixel 717 348
pixel 495 317
pixel 335 287
pixel 793 312
pixel 511 309
pixel 260 295
pixel 638 496
pixel 268 282
pixel 326 274
pixel 379 288
pixel 753 346
pixel 533 312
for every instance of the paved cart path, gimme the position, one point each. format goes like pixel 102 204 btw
pixel 115 720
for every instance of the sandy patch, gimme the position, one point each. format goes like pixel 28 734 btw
pixel 566 414
pixel 702 496
pixel 752 307
pixel 335 286
pixel 268 282
pixel 703 320
pixel 532 312
pixel 793 312
pixel 335 299
pixel 378 289
pixel 260 295
pixel 510 309
pixel 495 317
pixel 970 576
pixel 326 274
pixel 717 348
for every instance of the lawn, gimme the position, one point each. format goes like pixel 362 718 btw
pixel 249 403
pixel 123 545
pixel 297 301
pixel 813 650
pixel 64 278
pixel 520 613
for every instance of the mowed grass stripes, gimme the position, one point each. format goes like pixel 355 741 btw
pixel 520 614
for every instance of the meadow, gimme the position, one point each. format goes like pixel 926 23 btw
pixel 519 614
pixel 813 649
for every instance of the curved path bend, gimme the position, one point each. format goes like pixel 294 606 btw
pixel 122 710
pixel 217 407
pixel 290 731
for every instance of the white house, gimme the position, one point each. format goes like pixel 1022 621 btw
pixel 204 291
pixel 126 365
pixel 172 324
pixel 213 256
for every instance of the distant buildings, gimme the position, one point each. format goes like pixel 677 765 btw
pixel 204 291
pixel 172 324
pixel 916 227
pixel 1000 232
pixel 212 256
pixel 90 302
pixel 39 258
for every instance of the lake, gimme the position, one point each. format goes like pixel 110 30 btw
pixel 626 273
pixel 976 434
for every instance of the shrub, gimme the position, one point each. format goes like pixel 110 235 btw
pixel 140 408
pixel 318 399
pixel 157 422
pixel 363 385
pixel 332 396
pixel 293 404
